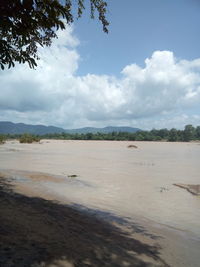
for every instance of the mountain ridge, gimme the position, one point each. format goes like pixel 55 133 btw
pixel 7 127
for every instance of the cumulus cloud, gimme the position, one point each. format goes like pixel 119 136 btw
pixel 164 90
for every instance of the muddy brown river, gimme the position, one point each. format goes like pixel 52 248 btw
pixel 107 175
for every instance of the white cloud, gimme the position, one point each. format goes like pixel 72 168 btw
pixel 164 92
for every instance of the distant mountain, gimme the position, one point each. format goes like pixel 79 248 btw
pixel 20 128
pixel 107 129
pixel 7 127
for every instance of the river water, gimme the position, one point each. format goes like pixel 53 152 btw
pixel 112 177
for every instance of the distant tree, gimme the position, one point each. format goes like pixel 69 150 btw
pixel 2 139
pixel 139 137
pixel 163 133
pixel 198 132
pixel 131 137
pixel 173 136
pixel 189 133
pixel 88 136
pixel 154 132
pixel 25 24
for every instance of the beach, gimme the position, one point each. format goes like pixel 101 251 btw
pixel 99 203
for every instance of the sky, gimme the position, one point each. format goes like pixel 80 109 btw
pixel 144 73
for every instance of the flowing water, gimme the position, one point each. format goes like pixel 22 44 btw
pixel 110 176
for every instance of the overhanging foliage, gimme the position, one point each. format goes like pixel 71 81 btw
pixel 25 24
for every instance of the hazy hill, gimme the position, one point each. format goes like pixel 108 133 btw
pixel 7 127
pixel 19 128
pixel 107 129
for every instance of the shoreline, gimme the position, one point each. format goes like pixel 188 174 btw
pixel 149 235
pixel 40 232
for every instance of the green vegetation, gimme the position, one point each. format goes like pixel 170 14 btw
pixel 28 138
pixel 189 133
pixel 27 24
pixel 2 139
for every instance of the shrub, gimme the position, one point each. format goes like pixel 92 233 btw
pixel 28 138
pixel 2 139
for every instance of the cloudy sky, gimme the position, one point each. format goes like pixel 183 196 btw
pixel 145 73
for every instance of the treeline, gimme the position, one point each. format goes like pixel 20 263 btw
pixel 188 134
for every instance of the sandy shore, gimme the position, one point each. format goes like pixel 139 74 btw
pixel 112 214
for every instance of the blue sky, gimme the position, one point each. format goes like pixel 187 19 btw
pixel 145 73
pixel 137 29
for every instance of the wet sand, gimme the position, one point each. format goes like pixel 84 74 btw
pixel 136 184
